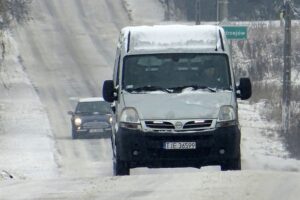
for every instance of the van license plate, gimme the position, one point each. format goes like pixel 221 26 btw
pixel 180 145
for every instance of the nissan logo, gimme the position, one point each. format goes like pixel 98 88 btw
pixel 178 125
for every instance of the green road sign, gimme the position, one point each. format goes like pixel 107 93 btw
pixel 235 32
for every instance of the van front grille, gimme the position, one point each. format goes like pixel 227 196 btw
pixel 187 125
pixel 197 124
pixel 159 125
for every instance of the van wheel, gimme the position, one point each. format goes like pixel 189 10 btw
pixel 121 168
pixel 234 164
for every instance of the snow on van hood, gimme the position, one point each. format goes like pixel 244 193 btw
pixel 187 105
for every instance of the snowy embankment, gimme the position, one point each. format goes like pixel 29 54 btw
pixel 26 143
pixel 261 146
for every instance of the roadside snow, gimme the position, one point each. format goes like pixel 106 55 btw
pixel 262 147
pixel 26 143
pixel 145 11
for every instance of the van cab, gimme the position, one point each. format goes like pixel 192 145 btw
pixel 174 98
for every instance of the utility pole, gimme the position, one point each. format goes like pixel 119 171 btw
pixel 198 11
pixel 222 10
pixel 286 90
pixel 167 14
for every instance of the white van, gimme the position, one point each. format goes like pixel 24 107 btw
pixel 175 99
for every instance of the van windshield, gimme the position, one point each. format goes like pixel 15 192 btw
pixel 175 72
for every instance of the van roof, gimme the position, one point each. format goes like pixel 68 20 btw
pixel 173 37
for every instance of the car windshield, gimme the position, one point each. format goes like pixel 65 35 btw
pixel 99 107
pixel 175 72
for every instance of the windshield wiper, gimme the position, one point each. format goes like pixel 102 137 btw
pixel 226 88
pixel 195 87
pixel 149 88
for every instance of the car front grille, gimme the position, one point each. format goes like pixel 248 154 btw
pixel 94 125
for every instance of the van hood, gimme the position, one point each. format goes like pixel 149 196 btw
pixel 172 106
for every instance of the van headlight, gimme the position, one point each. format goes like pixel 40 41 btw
pixel 77 121
pixel 227 116
pixel 130 119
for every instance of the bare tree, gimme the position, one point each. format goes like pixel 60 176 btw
pixel 12 11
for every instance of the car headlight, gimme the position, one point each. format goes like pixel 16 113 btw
pixel 77 121
pixel 130 119
pixel 110 120
pixel 227 116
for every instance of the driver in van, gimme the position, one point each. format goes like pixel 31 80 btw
pixel 211 77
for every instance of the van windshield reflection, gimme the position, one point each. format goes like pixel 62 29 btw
pixel 176 72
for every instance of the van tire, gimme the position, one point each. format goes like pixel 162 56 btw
pixel 234 164
pixel 121 168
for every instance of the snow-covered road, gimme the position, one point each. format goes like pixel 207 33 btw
pixel 250 185
pixel 66 52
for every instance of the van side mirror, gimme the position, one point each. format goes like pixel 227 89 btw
pixel 108 91
pixel 70 113
pixel 245 89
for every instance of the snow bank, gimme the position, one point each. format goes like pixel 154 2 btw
pixel 26 143
pixel 262 148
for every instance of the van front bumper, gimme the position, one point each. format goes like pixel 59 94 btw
pixel 146 149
